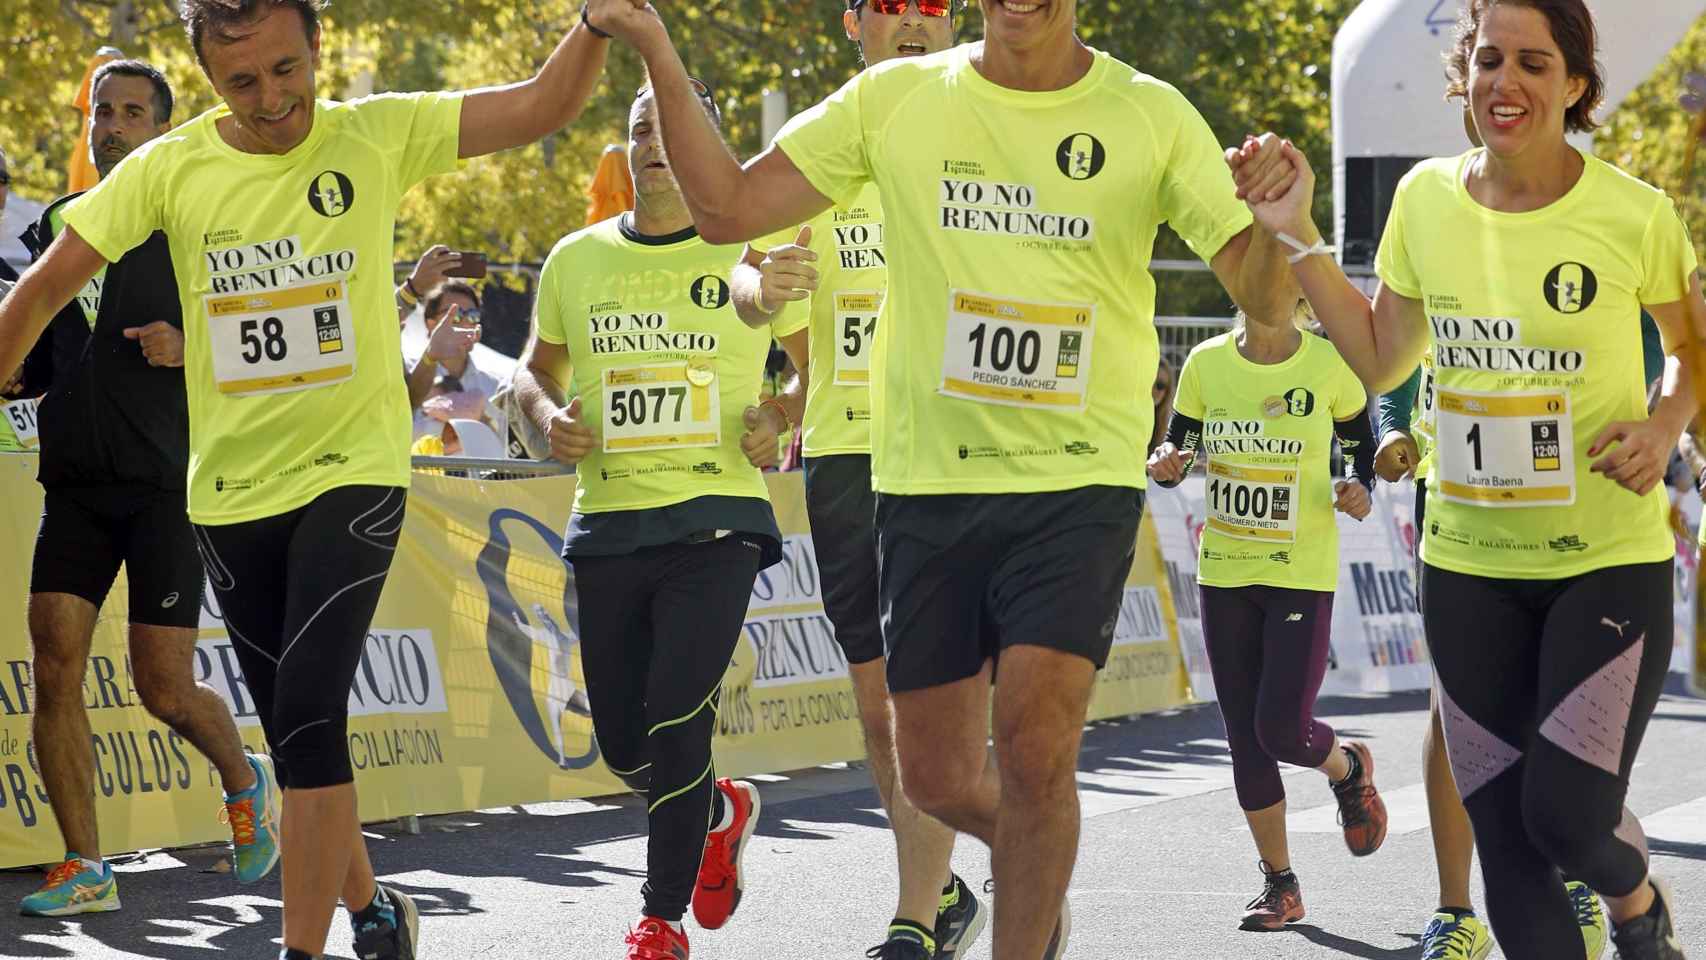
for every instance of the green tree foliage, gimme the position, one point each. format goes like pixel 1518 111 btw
pixel 1248 65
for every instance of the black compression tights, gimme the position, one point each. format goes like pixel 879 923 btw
pixel 658 627
pixel 1546 687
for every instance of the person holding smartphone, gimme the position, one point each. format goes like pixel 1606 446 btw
pixel 453 330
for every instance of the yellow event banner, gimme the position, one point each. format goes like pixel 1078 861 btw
pixel 469 693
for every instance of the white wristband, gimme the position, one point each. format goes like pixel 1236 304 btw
pixel 1304 252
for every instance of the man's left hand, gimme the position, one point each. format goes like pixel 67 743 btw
pixel 760 440
pixel 162 344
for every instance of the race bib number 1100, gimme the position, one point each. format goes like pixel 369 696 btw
pixel 1017 354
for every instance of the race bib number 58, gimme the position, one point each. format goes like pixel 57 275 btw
pixel 272 341
pixel 1017 354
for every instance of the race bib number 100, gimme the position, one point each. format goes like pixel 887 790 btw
pixel 295 338
pixel 661 406
pixel 1505 449
pixel 1017 354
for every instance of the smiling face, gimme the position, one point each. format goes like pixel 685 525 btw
pixel 883 36
pixel 1520 88
pixel 1023 26
pixel 264 70
pixel 124 116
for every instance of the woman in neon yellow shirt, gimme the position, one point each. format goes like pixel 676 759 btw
pixel 1546 586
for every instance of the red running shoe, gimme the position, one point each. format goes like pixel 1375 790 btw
pixel 1281 902
pixel 720 880
pixel 655 939
pixel 1361 811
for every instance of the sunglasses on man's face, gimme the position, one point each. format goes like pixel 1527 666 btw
pixel 894 8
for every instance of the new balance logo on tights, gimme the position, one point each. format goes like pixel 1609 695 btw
pixel 1294 618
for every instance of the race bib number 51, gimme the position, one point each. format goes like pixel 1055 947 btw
pixel 661 406
pixel 1017 354
pixel 1505 449
pixel 855 327
pixel 273 341
pixel 21 417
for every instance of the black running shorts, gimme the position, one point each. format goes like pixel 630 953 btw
pixel 964 576
pixel 88 532
pixel 843 512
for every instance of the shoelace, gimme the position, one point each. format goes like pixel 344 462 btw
pixel 882 952
pixel 1460 937
pixel 1353 802
pixel 241 816
pixel 1273 892
pixel 644 943
pixel 1586 915
pixel 64 872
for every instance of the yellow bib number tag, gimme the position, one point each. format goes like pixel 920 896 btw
pixel 661 406
pixel 295 338
pixel 1505 449
pixel 1253 503
pixel 1017 354
pixel 21 417
pixel 855 328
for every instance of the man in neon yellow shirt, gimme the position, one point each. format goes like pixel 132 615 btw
pixel 1022 182
pixel 640 373
pixel 839 271
pixel 279 209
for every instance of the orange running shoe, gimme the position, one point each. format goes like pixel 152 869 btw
pixel 1281 901
pixel 1361 811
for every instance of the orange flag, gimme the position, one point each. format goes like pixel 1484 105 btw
pixel 612 189
pixel 80 172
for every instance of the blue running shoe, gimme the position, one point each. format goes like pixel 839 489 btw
pixel 253 816
pixel 72 888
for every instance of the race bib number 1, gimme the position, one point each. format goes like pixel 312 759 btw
pixel 1253 503
pixel 661 406
pixel 855 328
pixel 1505 449
pixel 1017 354
pixel 21 417
pixel 273 341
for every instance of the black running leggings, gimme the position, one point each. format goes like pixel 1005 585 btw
pixel 1545 690
pixel 298 592
pixel 658 627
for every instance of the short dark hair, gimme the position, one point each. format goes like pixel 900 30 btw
pixel 200 16
pixel 1573 30
pixel 146 71
pixel 435 300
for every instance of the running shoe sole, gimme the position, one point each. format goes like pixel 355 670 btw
pixel 408 923
pixel 1261 925
pixel 1376 806
pixel 275 806
pixel 104 905
pixel 1062 931
pixel 746 832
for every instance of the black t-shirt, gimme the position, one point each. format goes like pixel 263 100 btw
pixel 108 417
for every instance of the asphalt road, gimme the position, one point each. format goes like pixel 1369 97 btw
pixel 1164 869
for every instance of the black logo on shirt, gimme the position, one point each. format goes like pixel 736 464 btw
pixel 710 292
pixel 1080 156
pixel 331 194
pixel 1571 288
pixel 1299 402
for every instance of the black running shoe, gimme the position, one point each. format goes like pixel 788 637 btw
pixel 901 945
pixel 392 935
pixel 1649 937
pixel 959 926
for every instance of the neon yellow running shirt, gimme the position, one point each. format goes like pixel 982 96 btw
pixel 284 270
pixel 1018 229
pixel 852 280
pixel 1268 435
pixel 662 365
pixel 1536 337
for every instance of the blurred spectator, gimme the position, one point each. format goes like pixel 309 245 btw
pixel 459 388
pixel 1161 395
